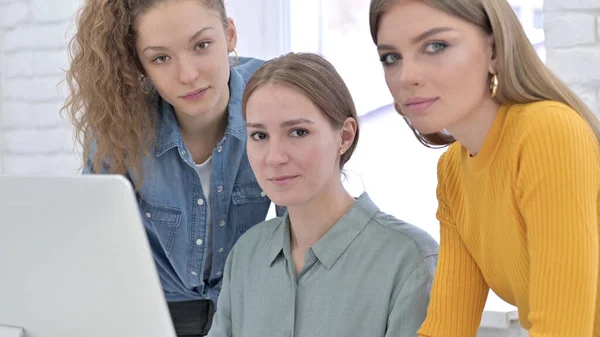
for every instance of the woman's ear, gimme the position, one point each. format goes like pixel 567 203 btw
pixel 231 35
pixel 348 133
pixel 493 55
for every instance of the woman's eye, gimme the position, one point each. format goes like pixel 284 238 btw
pixel 435 47
pixel 299 133
pixel 389 59
pixel 202 45
pixel 258 136
pixel 160 59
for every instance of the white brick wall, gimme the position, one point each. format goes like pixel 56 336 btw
pixel 573 45
pixel 34 139
pixel 33 37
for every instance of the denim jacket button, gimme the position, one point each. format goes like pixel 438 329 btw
pixel 200 202
pixel 220 189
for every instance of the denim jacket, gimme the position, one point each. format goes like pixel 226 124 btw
pixel 172 204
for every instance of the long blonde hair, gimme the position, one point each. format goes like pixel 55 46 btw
pixel 523 77
pixel 109 103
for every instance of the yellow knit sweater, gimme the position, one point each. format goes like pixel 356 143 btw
pixel 521 217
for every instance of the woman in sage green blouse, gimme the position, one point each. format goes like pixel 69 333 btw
pixel 333 265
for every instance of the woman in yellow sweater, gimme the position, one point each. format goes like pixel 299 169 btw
pixel 519 187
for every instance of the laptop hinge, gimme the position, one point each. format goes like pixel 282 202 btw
pixel 11 331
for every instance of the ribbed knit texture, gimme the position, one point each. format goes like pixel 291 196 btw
pixel 521 217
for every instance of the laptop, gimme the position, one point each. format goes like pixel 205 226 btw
pixel 75 261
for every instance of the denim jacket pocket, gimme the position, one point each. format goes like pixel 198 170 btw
pixel 164 221
pixel 251 204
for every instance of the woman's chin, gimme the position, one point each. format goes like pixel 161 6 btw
pixel 288 198
pixel 427 129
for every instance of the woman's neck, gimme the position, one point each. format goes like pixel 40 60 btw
pixel 311 221
pixel 202 133
pixel 472 131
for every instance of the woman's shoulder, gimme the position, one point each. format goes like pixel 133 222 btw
pixel 258 235
pixel 403 236
pixel 246 66
pixel 449 161
pixel 544 114
pixel 546 120
pixel 532 108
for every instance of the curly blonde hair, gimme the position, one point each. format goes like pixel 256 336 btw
pixel 107 102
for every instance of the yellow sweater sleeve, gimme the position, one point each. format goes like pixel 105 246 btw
pixel 459 291
pixel 557 193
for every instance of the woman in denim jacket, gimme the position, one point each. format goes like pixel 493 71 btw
pixel 155 97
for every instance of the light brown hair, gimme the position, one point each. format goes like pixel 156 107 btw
pixel 315 78
pixel 107 103
pixel 523 77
